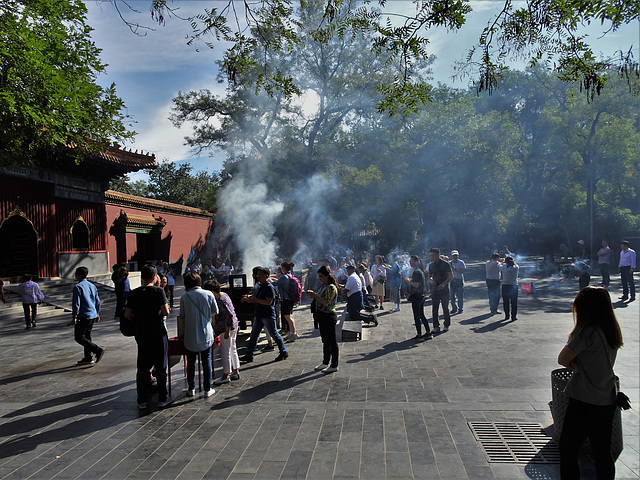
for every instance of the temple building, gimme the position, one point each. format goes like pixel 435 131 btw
pixel 60 215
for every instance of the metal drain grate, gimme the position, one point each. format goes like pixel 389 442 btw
pixel 506 442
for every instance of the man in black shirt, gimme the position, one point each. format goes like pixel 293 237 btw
pixel 146 307
pixel 440 276
pixel 265 316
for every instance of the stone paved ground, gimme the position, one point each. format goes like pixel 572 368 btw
pixel 396 409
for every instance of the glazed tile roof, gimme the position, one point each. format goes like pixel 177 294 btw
pixel 125 159
pixel 123 199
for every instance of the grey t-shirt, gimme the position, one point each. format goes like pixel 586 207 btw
pixel 593 381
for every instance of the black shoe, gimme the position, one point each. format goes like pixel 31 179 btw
pixel 246 359
pixel 100 354
pixel 28 327
pixel 375 322
pixel 623 298
pixel 427 336
pixel 417 337
pixel 282 356
pixel 33 325
pixel 453 312
pixel 632 299
pixel 86 361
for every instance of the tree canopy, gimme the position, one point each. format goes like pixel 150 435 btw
pixel 49 98
pixel 539 31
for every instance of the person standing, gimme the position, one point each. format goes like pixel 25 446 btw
pixel 85 308
pixel 198 308
pixel 416 285
pixel 325 312
pixel 147 307
pixel 395 282
pixel 121 286
pixel 265 315
pixel 627 264
pixel 171 281
pixel 31 297
pixel 285 270
pixel 457 284
pixel 493 282
pixel 440 276
pixel 509 274
pixel 379 274
pixel 591 353
pixel 227 325
pixel 604 255
pixel 355 299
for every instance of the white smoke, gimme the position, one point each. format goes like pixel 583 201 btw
pixel 251 216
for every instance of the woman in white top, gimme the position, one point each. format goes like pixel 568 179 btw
pixel 379 274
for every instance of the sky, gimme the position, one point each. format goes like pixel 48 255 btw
pixel 150 70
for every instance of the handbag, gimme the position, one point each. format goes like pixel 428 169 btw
pixel 621 399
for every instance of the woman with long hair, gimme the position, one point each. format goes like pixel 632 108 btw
pixel 325 312
pixel 590 353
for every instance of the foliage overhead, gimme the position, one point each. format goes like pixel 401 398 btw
pixel 49 98
pixel 538 31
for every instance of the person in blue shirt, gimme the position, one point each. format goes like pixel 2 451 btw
pixel 86 311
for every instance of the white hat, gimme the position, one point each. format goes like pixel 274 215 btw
pixel 454 252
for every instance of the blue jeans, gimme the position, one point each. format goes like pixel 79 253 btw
pixel 205 357
pixel 493 287
pixel 457 292
pixel 256 328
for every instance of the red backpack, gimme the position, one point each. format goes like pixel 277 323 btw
pixel 295 289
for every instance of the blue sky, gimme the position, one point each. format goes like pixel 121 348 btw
pixel 150 70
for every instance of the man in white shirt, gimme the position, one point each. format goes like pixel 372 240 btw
pixel 627 264
pixel 353 286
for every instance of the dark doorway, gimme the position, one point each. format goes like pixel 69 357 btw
pixel 18 247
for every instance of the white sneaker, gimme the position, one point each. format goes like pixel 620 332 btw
pixel 321 367
pixel 220 381
pixel 209 392
pixel 191 393
pixel 292 338
pixel 330 370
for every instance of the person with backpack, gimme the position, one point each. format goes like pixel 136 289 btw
pixel 290 292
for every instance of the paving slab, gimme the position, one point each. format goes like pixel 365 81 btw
pixel 396 409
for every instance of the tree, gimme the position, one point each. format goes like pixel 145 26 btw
pixel 542 31
pixel 49 98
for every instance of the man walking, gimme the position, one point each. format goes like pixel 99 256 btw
pixel 440 277
pixel 265 316
pixel 457 284
pixel 85 309
pixel 627 264
pixel 146 307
